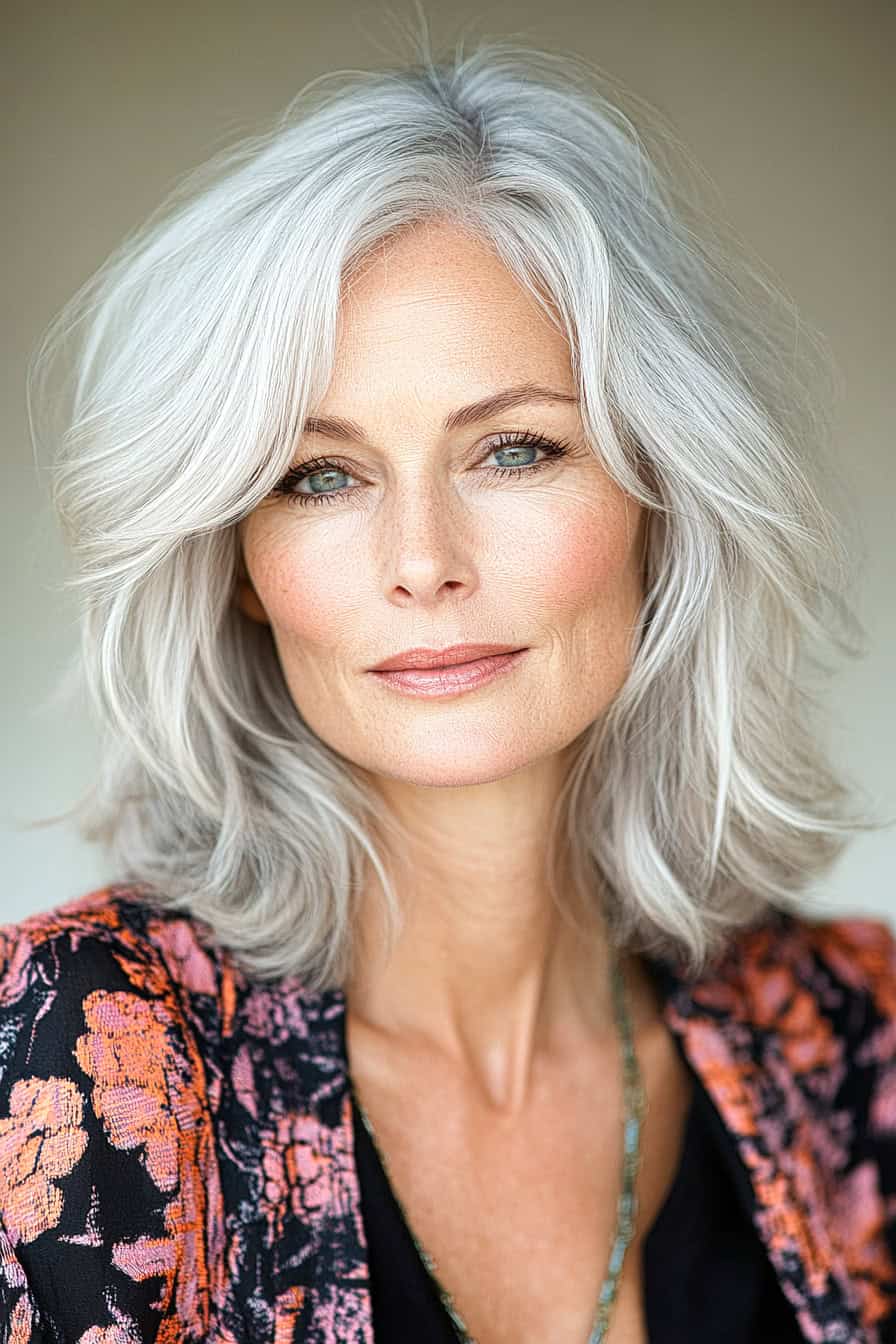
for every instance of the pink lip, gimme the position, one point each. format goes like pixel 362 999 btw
pixel 433 658
pixel 452 679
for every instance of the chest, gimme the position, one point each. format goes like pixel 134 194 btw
pixel 518 1212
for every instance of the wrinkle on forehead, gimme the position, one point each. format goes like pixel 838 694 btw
pixel 469 325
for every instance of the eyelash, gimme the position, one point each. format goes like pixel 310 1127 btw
pixel 553 449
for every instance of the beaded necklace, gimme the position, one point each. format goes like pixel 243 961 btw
pixel 626 1205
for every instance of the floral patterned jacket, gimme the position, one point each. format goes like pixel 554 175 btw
pixel 176 1146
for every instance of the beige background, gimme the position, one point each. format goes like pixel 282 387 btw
pixel 788 106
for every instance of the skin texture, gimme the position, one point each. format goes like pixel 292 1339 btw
pixel 434 551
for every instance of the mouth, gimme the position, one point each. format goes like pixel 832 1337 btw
pixel 451 678
pixel 456 655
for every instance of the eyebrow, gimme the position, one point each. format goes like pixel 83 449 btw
pixel 334 427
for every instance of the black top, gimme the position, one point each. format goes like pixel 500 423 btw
pixel 707 1276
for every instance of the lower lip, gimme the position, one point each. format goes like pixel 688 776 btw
pixel 438 681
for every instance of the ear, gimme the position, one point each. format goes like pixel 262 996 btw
pixel 246 598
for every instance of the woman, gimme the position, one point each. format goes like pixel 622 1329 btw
pixel 447 992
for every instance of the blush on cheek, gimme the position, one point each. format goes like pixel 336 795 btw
pixel 590 561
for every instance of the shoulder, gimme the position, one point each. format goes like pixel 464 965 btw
pixel 101 927
pixel 106 1001
pixel 810 1000
pixel 111 946
pixel 103 1085
pixel 812 996
pixel 846 960
pixel 845 957
pixel 861 951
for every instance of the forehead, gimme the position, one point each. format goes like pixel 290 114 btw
pixel 436 308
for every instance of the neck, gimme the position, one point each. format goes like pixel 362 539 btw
pixel 492 979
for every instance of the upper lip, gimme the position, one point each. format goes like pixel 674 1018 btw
pixel 455 653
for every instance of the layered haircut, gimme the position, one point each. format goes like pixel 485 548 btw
pixel 702 797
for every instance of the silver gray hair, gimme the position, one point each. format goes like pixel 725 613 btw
pixel 701 798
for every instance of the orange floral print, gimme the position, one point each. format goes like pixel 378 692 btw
pixel 286 1310
pixel 194 1171
pixel 40 1140
pixel 146 1099
pixel 862 952
pixel 768 993
pixel 21 1322
pixel 126 1053
pixel 861 1215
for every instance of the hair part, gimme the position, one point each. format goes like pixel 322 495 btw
pixel 701 797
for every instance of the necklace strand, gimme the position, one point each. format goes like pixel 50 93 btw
pixel 626 1205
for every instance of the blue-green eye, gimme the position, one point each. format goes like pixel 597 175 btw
pixel 327 468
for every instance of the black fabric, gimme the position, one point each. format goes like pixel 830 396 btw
pixel 404 1300
pixel 707 1276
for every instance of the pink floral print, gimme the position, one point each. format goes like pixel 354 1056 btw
pixel 177 1140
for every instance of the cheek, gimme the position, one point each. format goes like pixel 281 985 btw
pixel 307 590
pixel 589 568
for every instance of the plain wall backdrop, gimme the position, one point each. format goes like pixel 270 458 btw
pixel 788 107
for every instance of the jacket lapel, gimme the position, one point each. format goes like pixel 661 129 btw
pixel 732 1026
pixel 781 1136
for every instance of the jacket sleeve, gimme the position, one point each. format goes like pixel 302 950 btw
pixel 99 1114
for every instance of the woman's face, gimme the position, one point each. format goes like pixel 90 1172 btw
pixel 419 541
